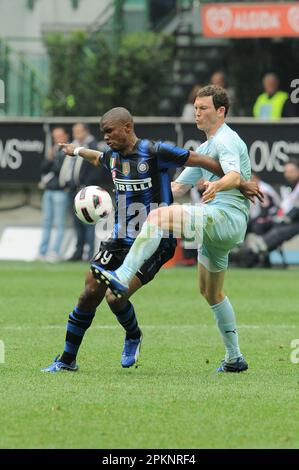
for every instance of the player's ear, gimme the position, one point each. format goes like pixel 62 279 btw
pixel 221 110
pixel 128 127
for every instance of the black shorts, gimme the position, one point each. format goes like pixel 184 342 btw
pixel 111 256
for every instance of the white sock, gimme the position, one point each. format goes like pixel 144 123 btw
pixel 226 322
pixel 142 249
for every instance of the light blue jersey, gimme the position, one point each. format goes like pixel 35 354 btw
pixel 229 149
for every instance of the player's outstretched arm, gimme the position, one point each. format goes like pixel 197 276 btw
pixel 203 161
pixel 92 156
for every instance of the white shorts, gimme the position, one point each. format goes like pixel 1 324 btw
pixel 218 229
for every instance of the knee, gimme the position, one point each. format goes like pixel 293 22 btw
pixel 160 217
pixel 91 296
pixel 154 216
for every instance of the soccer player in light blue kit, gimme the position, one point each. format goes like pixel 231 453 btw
pixel 219 222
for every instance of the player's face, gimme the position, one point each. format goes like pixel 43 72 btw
pixel 116 134
pixel 206 115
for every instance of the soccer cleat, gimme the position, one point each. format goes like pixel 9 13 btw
pixel 59 366
pixel 111 280
pixel 238 366
pixel 131 352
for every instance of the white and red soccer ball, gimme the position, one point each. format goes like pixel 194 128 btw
pixel 91 204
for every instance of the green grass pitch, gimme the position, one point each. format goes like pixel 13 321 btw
pixel 174 399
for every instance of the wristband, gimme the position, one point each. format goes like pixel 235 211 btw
pixel 77 150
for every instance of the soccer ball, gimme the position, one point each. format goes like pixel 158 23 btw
pixel 91 204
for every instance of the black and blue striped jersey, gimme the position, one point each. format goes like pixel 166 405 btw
pixel 142 183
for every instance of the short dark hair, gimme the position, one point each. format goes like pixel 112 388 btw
pixel 118 114
pixel 219 95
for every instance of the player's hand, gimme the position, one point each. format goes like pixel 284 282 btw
pixel 210 191
pixel 251 190
pixel 68 149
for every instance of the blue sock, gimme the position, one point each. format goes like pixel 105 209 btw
pixel 79 321
pixel 127 319
pixel 142 249
pixel 226 322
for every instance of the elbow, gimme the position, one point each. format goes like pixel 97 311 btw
pixel 95 162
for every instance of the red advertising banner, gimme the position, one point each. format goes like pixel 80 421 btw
pixel 234 20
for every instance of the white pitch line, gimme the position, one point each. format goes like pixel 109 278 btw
pixel 152 327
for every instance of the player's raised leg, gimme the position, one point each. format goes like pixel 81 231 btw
pixel 153 230
pixel 78 323
pixel 211 287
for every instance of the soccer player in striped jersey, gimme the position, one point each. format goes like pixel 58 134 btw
pixel 139 168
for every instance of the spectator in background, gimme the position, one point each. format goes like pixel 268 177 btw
pixel 218 78
pixel 262 212
pixel 273 103
pixel 55 198
pixel 284 226
pixel 188 113
pixel 83 174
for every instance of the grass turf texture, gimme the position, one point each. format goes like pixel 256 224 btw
pixel 174 399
